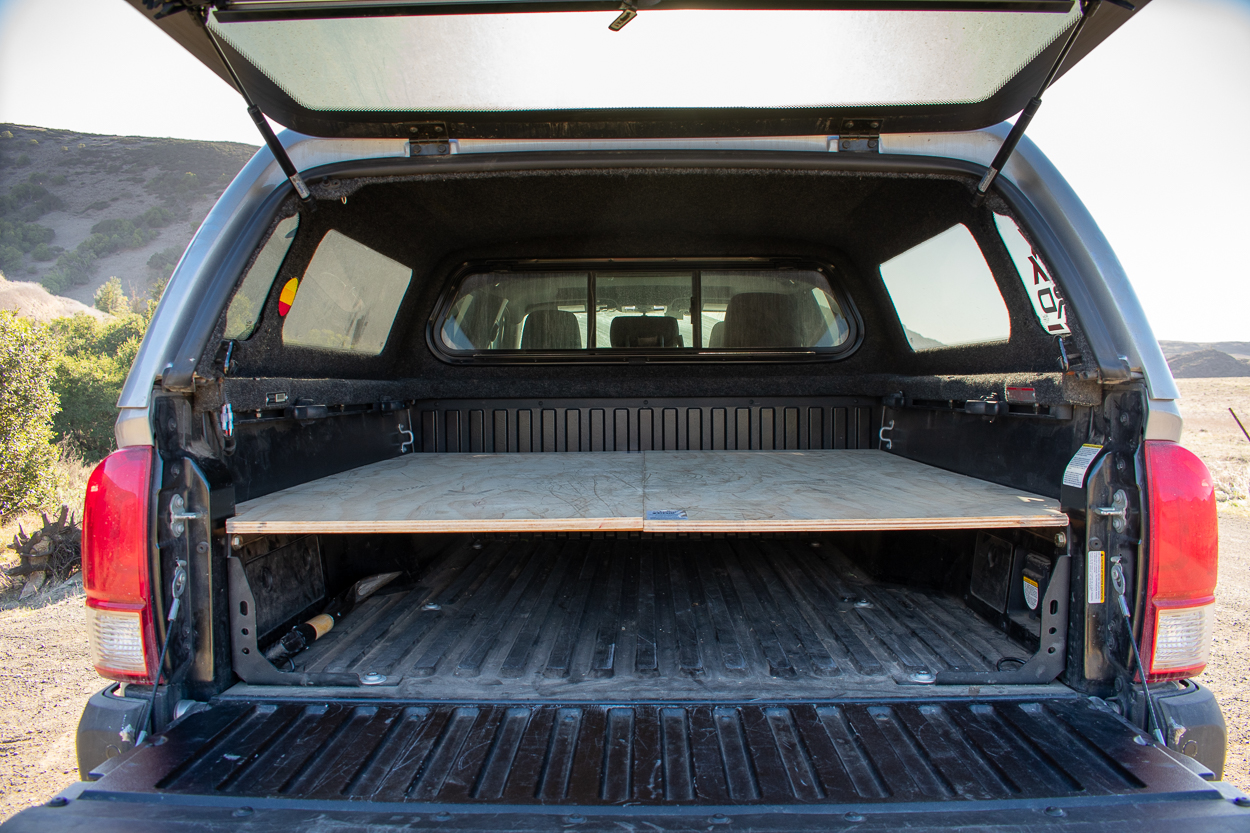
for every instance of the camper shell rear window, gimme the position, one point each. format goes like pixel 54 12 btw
pixel 613 311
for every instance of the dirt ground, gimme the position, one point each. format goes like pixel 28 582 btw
pixel 46 676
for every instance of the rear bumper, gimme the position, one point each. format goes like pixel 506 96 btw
pixel 1195 725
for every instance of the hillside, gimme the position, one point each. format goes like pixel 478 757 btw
pixel 77 208
pixel 31 300
pixel 1207 364
pixel 1236 349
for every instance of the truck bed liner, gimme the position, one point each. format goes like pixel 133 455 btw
pixel 638 620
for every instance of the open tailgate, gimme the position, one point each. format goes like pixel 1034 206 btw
pixel 1063 762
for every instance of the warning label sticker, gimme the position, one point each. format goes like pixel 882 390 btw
pixel 1095 586
pixel 1030 593
pixel 1074 474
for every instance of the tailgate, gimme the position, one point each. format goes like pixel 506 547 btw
pixel 1064 762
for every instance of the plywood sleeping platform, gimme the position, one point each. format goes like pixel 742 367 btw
pixel 652 491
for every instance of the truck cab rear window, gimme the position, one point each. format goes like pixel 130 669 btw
pixel 661 311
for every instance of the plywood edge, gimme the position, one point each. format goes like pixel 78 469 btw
pixel 242 525
pixel 858 524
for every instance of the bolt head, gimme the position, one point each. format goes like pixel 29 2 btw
pixel 201 547
pixel 1060 539
pixel 854 817
pixel 1055 812
pixel 59 801
pixel 1240 801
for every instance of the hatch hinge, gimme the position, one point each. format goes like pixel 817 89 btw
pixel 858 136
pixel 428 139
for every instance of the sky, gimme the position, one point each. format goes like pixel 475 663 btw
pixel 1150 130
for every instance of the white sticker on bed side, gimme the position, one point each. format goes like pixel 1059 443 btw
pixel 1074 474
pixel 1095 586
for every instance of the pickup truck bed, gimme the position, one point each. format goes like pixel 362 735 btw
pixel 627 619
pixel 531 684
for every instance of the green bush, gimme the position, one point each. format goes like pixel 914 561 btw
pixel 164 261
pixel 29 202
pixel 25 236
pixel 12 259
pixel 156 217
pixel 44 252
pixel 60 179
pixel 71 269
pixel 111 299
pixel 95 358
pixel 27 408
pixel 22 160
pixel 8 134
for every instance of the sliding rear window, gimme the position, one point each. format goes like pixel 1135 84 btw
pixel 663 312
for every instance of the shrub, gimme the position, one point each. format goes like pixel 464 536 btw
pixel 111 299
pixel 8 134
pixel 27 407
pixel 22 160
pixel 25 236
pixel 164 261
pixel 43 252
pixel 34 141
pixel 59 179
pixel 12 258
pixel 29 201
pixel 156 217
pixel 95 358
pixel 71 269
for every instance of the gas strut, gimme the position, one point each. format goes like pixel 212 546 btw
pixel 266 132
pixel 1026 115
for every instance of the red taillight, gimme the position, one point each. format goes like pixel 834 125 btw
pixel 115 565
pixel 1183 545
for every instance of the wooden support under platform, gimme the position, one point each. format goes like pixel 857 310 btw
pixel 652 491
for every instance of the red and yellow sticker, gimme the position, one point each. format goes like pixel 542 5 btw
pixel 288 296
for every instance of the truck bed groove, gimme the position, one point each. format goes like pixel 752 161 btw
pixel 652 619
